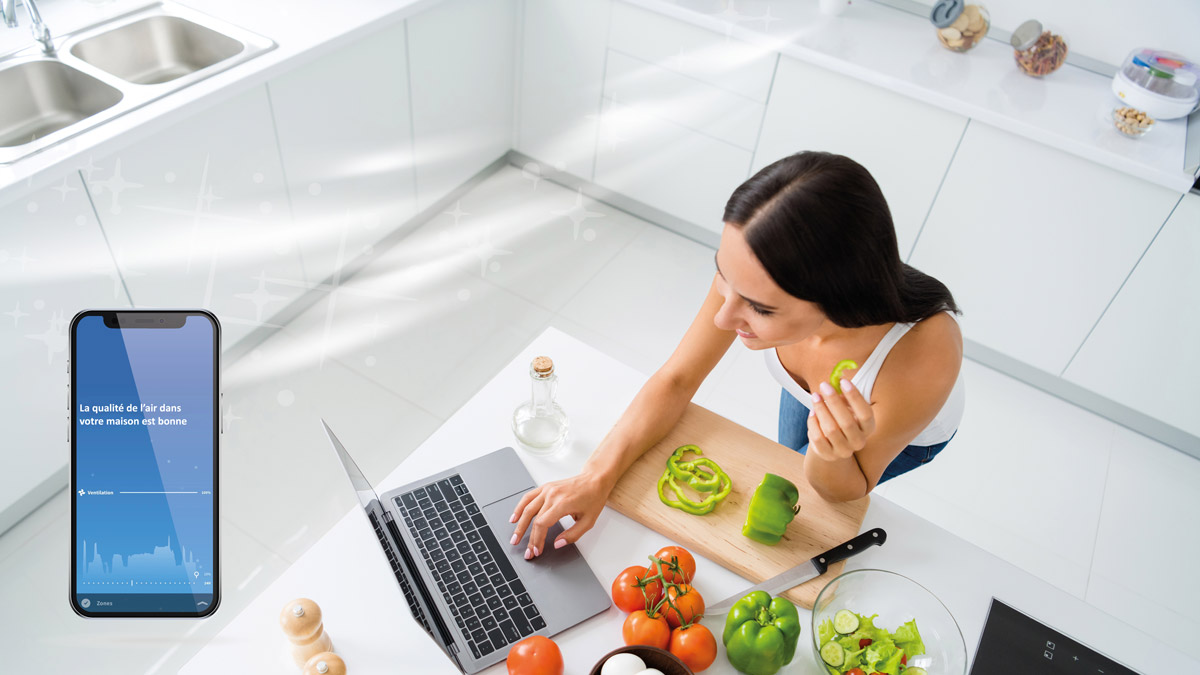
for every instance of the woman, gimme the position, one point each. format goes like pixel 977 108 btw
pixel 808 271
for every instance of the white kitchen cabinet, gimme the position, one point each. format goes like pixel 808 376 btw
pixel 1145 351
pixel 347 149
pixel 707 56
pixel 461 63
pixel 905 144
pixel 560 82
pixel 53 263
pixel 197 216
pixel 681 114
pixel 1034 242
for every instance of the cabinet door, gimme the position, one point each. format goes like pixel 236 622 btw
pixel 346 144
pixel 1034 242
pixel 461 61
pixel 1145 351
pixel 197 216
pixel 561 79
pixel 53 263
pixel 905 144
pixel 681 115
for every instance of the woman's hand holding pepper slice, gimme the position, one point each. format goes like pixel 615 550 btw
pixel 839 424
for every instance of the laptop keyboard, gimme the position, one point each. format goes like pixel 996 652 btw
pixel 489 603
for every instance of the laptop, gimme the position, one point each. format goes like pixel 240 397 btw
pixel 446 538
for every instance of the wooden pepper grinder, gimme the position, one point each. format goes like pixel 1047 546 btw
pixel 301 622
pixel 325 663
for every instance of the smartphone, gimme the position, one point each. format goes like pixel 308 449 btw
pixel 144 397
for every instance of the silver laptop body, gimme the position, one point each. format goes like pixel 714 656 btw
pixel 445 570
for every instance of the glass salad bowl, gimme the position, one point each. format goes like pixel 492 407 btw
pixel 899 604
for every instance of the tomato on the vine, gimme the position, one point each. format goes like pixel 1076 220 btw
pixel 627 589
pixel 644 628
pixel 695 646
pixel 679 556
pixel 687 604
pixel 535 655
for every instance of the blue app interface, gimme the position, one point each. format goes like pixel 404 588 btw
pixel 144 458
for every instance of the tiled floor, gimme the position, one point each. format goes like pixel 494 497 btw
pixel 1088 506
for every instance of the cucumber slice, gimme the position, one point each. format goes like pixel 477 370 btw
pixel 833 654
pixel 914 671
pixel 845 621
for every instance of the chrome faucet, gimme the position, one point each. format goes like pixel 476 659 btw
pixel 8 12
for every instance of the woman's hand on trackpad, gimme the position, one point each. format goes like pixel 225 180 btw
pixel 582 497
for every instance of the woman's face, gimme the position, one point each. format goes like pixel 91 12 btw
pixel 761 312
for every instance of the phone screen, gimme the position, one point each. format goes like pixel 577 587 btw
pixel 144 463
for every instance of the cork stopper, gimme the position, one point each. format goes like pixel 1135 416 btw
pixel 300 619
pixel 542 365
pixel 325 663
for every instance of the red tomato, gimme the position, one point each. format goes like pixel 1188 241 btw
pixel 679 556
pixel 536 655
pixel 643 628
pixel 854 671
pixel 689 606
pixel 627 589
pixel 865 642
pixel 695 646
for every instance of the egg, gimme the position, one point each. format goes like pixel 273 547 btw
pixel 623 664
pixel 650 671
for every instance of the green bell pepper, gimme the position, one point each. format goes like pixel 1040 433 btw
pixel 702 475
pixel 772 507
pixel 761 633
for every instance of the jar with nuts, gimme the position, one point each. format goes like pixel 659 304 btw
pixel 959 26
pixel 1131 121
pixel 1038 52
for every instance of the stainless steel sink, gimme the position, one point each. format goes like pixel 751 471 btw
pixel 104 71
pixel 156 49
pixel 42 96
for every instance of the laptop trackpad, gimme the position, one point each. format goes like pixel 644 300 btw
pixel 559 580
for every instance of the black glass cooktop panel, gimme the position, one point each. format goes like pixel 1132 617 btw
pixel 1013 642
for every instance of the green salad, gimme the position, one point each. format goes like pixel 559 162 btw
pixel 851 643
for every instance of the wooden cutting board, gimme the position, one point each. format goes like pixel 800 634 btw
pixel 746 457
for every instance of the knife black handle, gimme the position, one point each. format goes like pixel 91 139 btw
pixel 857 545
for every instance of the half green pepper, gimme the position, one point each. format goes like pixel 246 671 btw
pixel 772 507
pixel 702 475
pixel 761 633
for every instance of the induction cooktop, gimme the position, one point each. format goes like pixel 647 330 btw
pixel 1013 642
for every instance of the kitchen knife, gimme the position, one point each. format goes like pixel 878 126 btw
pixel 806 570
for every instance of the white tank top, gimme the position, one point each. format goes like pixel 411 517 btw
pixel 939 430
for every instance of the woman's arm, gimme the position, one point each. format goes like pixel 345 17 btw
pixel 651 414
pixel 853 441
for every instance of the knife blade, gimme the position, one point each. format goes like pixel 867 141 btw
pixel 810 569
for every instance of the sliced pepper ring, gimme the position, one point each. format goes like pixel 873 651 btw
pixel 701 474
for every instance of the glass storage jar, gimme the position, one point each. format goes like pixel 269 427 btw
pixel 1037 51
pixel 960 26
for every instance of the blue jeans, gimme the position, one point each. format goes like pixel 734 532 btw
pixel 793 432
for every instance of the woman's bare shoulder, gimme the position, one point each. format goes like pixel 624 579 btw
pixel 930 354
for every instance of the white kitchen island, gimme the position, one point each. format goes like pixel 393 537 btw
pixel 369 621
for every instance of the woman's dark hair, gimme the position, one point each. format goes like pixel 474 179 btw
pixel 820 226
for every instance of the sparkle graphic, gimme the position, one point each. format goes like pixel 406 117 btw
pixel 532 171
pixel 115 184
pixel 65 188
pixel 577 214
pixel 16 314
pixel 90 168
pixel 608 123
pixel 260 297
pixel 485 250
pixel 54 337
pixel 767 20
pixel 457 213
pixel 286 397
pixel 229 417
pixel 25 259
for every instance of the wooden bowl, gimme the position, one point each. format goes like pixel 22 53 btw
pixel 654 657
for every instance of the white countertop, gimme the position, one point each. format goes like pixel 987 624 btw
pixel 871 42
pixel 366 615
